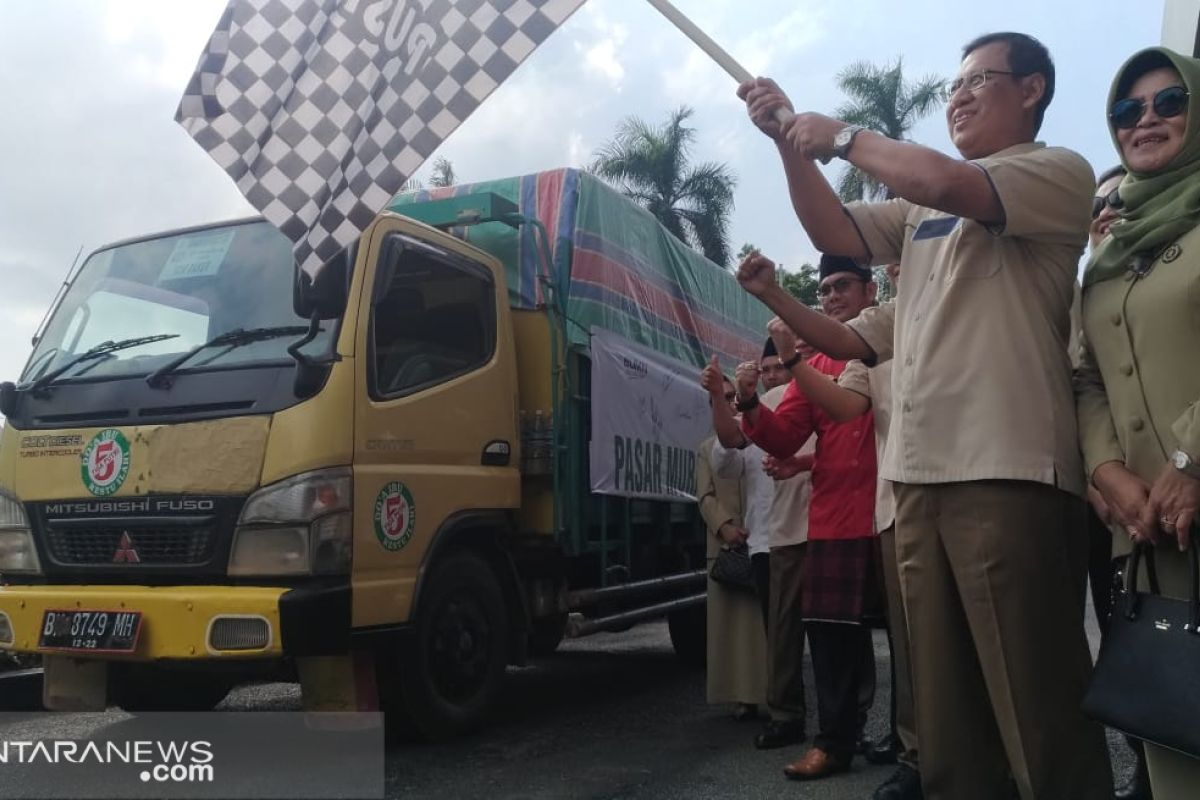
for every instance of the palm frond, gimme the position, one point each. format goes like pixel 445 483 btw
pixel 650 165
pixel 880 99
pixel 710 232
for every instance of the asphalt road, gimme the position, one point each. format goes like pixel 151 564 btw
pixel 610 716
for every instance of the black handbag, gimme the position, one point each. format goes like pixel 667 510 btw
pixel 1147 678
pixel 732 568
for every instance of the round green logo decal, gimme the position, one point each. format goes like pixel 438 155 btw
pixel 395 516
pixel 105 462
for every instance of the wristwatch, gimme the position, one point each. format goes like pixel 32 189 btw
pixel 845 138
pixel 793 361
pixel 747 404
pixel 1186 464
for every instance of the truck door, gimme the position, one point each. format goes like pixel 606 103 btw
pixel 435 416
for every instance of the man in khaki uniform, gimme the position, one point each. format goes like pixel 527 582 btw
pixel 982 445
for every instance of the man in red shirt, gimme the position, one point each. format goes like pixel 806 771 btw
pixel 842 563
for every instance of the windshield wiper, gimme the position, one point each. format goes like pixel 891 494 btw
pixel 99 351
pixel 160 378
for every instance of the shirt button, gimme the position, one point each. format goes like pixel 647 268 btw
pixel 1137 423
pixel 1116 320
pixel 908 361
pixel 907 406
pixel 1126 369
pixel 931 276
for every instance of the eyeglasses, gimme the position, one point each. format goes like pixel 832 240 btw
pixel 1169 102
pixel 1112 199
pixel 975 81
pixel 840 286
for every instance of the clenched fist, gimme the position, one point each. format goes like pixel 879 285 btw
pixel 756 274
pixel 747 379
pixel 764 99
pixel 783 337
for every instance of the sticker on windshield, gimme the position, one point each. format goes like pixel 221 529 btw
pixel 395 516
pixel 105 462
pixel 197 255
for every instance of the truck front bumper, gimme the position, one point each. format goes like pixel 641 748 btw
pixel 177 622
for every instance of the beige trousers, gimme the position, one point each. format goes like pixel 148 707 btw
pixel 1000 659
pixel 902 685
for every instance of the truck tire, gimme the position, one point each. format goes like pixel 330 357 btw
pixel 147 687
pixel 689 635
pixel 452 667
pixel 546 635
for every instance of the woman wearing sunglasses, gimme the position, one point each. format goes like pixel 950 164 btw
pixel 1139 393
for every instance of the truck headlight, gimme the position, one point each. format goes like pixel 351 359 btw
pixel 18 555
pixel 299 526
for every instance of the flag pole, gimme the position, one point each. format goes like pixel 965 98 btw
pixel 714 50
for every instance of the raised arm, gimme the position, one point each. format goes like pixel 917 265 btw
pixel 756 274
pixel 816 205
pixel 921 175
pixel 838 402
pixel 729 433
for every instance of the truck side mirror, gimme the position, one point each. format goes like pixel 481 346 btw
pixel 324 293
pixel 8 398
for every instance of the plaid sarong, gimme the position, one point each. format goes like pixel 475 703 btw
pixel 843 581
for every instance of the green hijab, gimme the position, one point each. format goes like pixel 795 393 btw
pixel 1159 207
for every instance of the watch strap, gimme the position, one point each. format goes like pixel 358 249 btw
pixel 850 132
pixel 747 404
pixel 793 361
pixel 1190 467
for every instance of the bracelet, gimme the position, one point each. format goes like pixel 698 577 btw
pixel 793 361
pixel 747 404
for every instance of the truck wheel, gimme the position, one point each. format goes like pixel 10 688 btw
pixel 146 687
pixel 451 670
pixel 689 634
pixel 547 634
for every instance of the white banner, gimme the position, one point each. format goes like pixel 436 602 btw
pixel 649 414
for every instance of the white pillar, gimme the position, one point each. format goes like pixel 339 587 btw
pixel 1180 18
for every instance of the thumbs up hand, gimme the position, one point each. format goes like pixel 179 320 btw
pixel 712 380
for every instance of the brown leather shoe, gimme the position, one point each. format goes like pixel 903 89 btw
pixel 815 764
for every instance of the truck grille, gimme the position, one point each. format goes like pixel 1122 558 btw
pixel 130 546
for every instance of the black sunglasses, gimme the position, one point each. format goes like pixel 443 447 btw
pixel 1112 199
pixel 1169 102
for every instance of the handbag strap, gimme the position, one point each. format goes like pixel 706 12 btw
pixel 1135 596
pixel 1194 549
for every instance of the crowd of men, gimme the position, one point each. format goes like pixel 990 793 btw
pixel 956 514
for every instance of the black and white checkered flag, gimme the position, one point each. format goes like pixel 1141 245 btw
pixel 320 110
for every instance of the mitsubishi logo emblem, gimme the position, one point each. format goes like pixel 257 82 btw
pixel 125 553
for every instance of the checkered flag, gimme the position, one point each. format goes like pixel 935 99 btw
pixel 320 110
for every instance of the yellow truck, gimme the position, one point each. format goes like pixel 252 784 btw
pixel 374 479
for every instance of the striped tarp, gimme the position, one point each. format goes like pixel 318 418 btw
pixel 622 271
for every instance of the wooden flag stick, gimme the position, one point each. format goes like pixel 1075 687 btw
pixel 714 50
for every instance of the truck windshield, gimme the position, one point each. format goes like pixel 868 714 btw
pixel 178 292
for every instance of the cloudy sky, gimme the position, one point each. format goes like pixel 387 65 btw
pixel 89 151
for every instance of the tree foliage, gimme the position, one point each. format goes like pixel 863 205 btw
pixel 651 165
pixel 443 173
pixel 802 284
pixel 883 101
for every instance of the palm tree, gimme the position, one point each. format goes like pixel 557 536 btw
pixel 881 100
pixel 650 165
